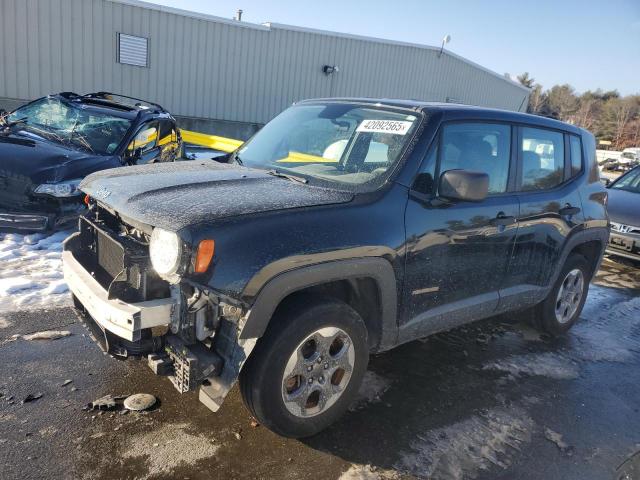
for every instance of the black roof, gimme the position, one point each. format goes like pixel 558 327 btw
pixel 459 111
pixel 118 105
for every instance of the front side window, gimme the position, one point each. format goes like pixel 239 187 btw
pixel 349 146
pixel 542 154
pixel 72 124
pixel 480 147
pixel 146 139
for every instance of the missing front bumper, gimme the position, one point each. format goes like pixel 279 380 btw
pixel 125 320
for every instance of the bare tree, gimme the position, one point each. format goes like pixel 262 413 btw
pixel 537 99
pixel 622 117
pixel 585 116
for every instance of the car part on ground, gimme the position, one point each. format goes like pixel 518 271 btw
pixel 386 221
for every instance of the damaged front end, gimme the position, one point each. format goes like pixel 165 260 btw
pixel 188 332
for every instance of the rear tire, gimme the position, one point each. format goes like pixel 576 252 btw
pixel 563 306
pixel 307 368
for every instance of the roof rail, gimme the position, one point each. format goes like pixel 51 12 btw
pixel 108 96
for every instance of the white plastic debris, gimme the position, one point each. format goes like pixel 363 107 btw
pixel 139 401
pixel 47 335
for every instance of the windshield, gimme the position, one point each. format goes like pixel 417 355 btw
pixel 628 155
pixel 349 146
pixel 72 124
pixel 629 182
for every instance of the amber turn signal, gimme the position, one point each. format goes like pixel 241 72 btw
pixel 204 255
pixel 86 200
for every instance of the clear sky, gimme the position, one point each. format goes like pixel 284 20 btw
pixel 586 43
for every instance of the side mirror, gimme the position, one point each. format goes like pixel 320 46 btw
pixel 464 185
pixel 133 156
pixel 607 182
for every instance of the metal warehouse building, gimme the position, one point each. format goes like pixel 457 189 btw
pixel 217 74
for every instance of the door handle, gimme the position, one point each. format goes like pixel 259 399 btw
pixel 568 210
pixel 503 220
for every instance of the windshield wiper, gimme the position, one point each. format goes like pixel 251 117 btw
pixel 293 178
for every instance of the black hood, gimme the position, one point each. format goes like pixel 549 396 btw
pixel 180 194
pixel 624 207
pixel 44 161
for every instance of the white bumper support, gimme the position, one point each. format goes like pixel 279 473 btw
pixel 125 320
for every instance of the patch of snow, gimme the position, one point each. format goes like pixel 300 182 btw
pixel 542 364
pixel 169 447
pixel 4 323
pixel 367 472
pixel 31 271
pixel 464 449
pixel 371 390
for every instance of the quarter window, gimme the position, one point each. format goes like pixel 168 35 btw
pixel 542 159
pixel 576 156
pixel 425 182
pixel 481 147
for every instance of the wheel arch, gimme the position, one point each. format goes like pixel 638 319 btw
pixel 353 281
pixel 590 243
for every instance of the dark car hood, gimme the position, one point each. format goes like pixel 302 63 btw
pixel 624 207
pixel 175 195
pixel 44 161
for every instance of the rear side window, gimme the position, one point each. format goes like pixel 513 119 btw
pixel 481 147
pixel 542 153
pixel 576 155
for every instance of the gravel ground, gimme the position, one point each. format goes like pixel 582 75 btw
pixel 494 400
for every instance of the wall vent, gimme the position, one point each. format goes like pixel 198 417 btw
pixel 133 50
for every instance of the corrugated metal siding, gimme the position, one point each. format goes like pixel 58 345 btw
pixel 207 68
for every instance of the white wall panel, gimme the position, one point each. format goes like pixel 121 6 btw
pixel 209 67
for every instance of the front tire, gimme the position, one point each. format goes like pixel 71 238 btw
pixel 563 306
pixel 306 370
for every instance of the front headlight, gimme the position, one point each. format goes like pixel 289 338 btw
pixel 62 189
pixel 165 250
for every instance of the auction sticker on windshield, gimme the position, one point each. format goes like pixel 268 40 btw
pixel 395 127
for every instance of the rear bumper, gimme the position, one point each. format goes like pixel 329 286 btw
pixel 125 320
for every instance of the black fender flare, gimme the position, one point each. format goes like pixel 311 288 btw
pixel 581 237
pixel 286 283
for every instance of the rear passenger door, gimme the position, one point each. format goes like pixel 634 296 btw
pixel 549 162
pixel 458 252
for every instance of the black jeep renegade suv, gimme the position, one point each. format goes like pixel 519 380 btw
pixel 343 227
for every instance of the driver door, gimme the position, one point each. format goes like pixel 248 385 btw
pixel 458 252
